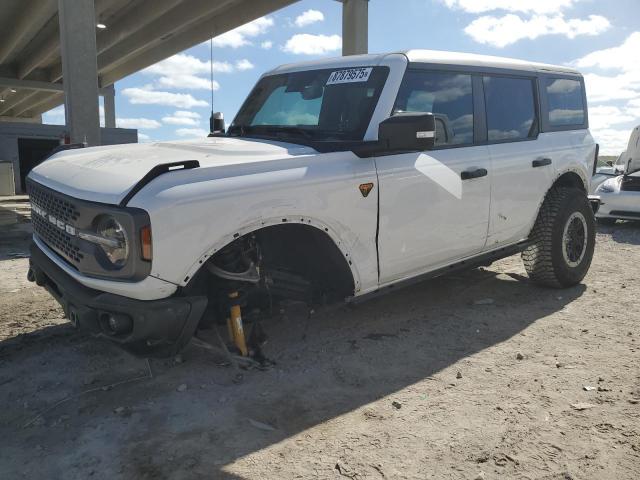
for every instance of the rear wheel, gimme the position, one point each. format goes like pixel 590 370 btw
pixel 562 239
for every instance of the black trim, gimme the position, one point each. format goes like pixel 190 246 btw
pixel 470 174
pixel 157 327
pixel 483 259
pixel 624 213
pixel 540 162
pixel 156 172
pixel 595 160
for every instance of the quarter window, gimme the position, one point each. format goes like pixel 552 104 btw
pixel 448 96
pixel 511 112
pixel 565 102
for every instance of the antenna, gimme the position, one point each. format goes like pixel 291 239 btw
pixel 216 120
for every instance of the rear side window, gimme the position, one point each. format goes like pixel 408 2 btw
pixel 511 111
pixel 565 101
pixel 448 96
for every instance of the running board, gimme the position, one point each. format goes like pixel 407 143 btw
pixel 481 260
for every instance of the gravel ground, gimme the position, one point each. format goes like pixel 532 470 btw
pixel 477 375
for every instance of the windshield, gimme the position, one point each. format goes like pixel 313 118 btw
pixel 316 105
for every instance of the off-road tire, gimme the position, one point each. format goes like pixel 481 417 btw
pixel 546 258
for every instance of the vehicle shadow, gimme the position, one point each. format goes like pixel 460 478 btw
pixel 623 231
pixel 328 365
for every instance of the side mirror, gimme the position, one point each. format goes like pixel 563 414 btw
pixel 408 131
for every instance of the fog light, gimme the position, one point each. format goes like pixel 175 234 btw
pixel 116 323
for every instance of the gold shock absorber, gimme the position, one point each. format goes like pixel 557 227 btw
pixel 234 322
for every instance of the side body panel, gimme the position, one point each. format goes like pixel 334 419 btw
pixel 208 208
pixel 517 188
pixel 429 216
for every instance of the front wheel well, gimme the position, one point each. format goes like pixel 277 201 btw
pixel 293 261
pixel 570 179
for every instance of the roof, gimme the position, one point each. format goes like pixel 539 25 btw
pixel 431 57
pixel 471 59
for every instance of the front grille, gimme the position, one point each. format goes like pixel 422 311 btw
pixel 56 238
pixel 63 210
pixel 53 204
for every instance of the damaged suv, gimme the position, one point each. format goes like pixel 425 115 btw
pixel 338 179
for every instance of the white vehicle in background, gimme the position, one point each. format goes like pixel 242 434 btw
pixel 619 192
pixel 338 179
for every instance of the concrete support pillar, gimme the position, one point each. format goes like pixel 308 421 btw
pixel 79 69
pixel 109 95
pixel 355 27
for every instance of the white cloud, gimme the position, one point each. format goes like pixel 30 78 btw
pixel 191 132
pixel 266 45
pixel 308 17
pixel 603 116
pixel 181 71
pixel 182 117
pixel 307 44
pixel 187 64
pixel 239 37
pixel 508 29
pixel 145 123
pixel 612 141
pixel 623 80
pixel 244 64
pixel 633 108
pixel 145 96
pixel 601 88
pixel 623 57
pixel 524 6
pixel 143 138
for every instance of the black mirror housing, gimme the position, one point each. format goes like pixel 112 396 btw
pixel 408 131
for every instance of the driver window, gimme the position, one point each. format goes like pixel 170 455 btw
pixel 448 96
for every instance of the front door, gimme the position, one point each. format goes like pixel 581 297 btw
pixel 434 206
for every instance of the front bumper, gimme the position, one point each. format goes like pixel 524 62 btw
pixel 152 327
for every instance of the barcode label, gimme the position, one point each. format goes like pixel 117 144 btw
pixel 349 75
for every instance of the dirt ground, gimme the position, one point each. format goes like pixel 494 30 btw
pixel 477 375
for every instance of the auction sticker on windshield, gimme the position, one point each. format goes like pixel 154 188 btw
pixel 349 75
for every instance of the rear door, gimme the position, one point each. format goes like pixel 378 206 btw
pixel 521 160
pixel 429 214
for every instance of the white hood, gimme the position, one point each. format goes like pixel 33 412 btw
pixel 106 174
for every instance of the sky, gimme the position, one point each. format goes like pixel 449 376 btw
pixel 171 99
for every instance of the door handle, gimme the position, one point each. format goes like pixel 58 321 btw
pixel 477 173
pixel 541 162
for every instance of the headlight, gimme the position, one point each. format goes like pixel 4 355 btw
pixel 115 246
pixel 608 186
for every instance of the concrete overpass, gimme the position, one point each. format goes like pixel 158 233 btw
pixel 58 51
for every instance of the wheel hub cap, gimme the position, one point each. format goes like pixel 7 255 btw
pixel 574 239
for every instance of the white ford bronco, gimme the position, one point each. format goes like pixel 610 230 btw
pixel 337 179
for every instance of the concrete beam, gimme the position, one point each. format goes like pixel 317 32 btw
pixel 128 24
pixel 30 84
pixel 78 50
pixel 32 19
pixel 36 119
pixel 110 107
pixel 217 23
pixel 166 27
pixel 355 27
